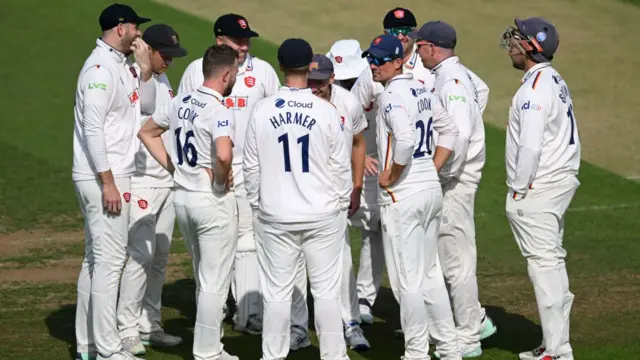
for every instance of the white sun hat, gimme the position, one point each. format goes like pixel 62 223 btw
pixel 347 60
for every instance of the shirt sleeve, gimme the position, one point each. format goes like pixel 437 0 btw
pixel 444 125
pixel 222 124
pixel 396 117
pixel 532 123
pixel 358 118
pixel 147 94
pixel 251 164
pixel 98 89
pixel 457 102
pixel 162 116
pixel 340 162
pixel 482 90
pixel 187 81
pixel 272 83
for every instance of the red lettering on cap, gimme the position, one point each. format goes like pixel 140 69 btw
pixel 399 14
pixel 338 59
pixel 377 40
pixel 250 81
pixel 126 196
pixel 143 204
pixel 242 23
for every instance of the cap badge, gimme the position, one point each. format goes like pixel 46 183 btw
pixel 174 39
pixel 313 66
pixel 377 40
pixel 338 59
pixel 541 36
pixel 120 19
pixel 399 14
pixel 242 23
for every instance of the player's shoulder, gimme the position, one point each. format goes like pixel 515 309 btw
pixel 541 83
pixel 195 65
pixel 259 64
pixel 344 94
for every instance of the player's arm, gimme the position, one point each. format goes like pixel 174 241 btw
pixel 340 162
pixel 251 164
pixel 457 102
pixel 532 124
pixel 147 84
pixel 99 89
pixel 150 135
pixel 358 155
pixel 223 133
pixel 482 90
pixel 447 131
pixel 187 81
pixel 396 118
pixel 363 89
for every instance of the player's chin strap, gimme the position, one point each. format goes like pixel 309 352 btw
pixel 512 37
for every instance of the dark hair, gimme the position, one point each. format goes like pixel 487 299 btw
pixel 218 57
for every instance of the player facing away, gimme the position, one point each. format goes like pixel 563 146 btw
pixel 542 160
pixel 256 79
pixel 353 123
pixel 298 177
pixel 111 94
pixel 410 198
pixel 455 89
pixel 202 130
pixel 151 219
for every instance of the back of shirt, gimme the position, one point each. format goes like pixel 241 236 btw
pixel 296 164
pixel 542 119
pixel 195 120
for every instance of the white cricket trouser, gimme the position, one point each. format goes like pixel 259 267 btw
pixel 458 257
pixel 409 236
pixel 348 292
pixel 278 253
pixel 151 224
pixel 245 285
pixel 209 223
pixel 537 222
pixel 371 267
pixel 104 257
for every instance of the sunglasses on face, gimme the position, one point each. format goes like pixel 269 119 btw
pixel 378 61
pixel 404 30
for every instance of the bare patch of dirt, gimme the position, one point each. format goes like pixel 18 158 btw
pixel 58 271
pixel 19 243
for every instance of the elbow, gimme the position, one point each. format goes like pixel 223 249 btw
pixel 224 157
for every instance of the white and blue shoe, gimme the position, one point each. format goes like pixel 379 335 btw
pixel 354 337
pixel 299 338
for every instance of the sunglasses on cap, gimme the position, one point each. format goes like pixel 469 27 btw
pixel 378 61
pixel 404 30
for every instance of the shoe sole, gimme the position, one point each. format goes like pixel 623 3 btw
pixel 302 345
pixel 491 333
pixel 367 319
pixel 360 347
pixel 158 345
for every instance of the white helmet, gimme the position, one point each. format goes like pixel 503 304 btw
pixel 347 60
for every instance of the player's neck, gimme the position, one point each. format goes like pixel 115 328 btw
pixel 113 42
pixel 215 85
pixel 408 56
pixel 528 65
pixel 296 81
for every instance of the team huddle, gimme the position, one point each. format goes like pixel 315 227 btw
pixel 265 179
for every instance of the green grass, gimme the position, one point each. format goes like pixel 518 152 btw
pixel 36 190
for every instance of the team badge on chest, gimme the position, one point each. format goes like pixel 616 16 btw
pixel 250 81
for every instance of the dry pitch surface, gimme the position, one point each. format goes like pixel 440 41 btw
pixel 598 55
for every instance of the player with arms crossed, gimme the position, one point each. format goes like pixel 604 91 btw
pixel 298 178
pixel 321 82
pixel 455 89
pixel 543 160
pixel 111 94
pixel 151 220
pixel 410 198
pixel 256 79
pixel 206 210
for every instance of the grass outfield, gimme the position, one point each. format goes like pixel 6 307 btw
pixel 41 245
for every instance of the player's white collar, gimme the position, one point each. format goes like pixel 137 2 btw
pixel 444 63
pixel 247 65
pixel 286 88
pixel 533 70
pixel 413 60
pixel 403 76
pixel 208 91
pixel 117 55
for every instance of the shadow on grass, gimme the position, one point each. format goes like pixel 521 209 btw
pixel 61 326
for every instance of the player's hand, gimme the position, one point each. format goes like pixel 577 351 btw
pixel 384 179
pixel 354 205
pixel 111 199
pixel 370 166
pixel 141 50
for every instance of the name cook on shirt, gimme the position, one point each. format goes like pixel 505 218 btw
pixel 187 113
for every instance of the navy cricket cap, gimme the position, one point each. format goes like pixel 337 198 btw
pixel 295 53
pixel 233 25
pixel 385 46
pixel 544 33
pixel 439 33
pixel 399 17
pixel 116 14
pixel 321 67
pixel 164 39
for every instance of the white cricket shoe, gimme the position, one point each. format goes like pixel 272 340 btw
pixel 226 356
pixel 366 316
pixel 355 339
pixel 299 338
pixel 532 354
pixel 120 355
pixel 133 345
pixel 160 339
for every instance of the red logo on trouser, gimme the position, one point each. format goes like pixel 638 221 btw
pixel 127 196
pixel 143 204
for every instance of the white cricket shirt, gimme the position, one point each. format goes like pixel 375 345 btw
pixel 543 144
pixel 297 166
pixel 456 91
pixel 149 172
pixel 256 80
pixel 195 120
pixel 351 113
pixel 107 113
pixel 406 118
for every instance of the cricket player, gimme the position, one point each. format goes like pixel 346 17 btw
pixel 298 179
pixel 398 22
pixel 111 94
pixel 256 80
pixel 543 160
pixel 321 79
pixel 151 220
pixel 455 88
pixel 203 129
pixel 410 198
